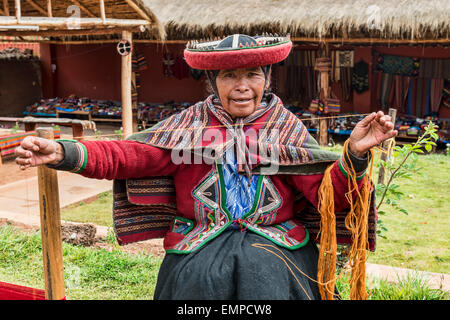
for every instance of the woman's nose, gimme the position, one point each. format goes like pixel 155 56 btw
pixel 242 85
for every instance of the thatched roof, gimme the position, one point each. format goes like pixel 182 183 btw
pixel 57 20
pixel 380 19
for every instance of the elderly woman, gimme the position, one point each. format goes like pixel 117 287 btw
pixel 225 182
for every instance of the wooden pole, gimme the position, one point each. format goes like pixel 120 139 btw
pixel 49 8
pixel 324 86
pixel 18 11
pixel 50 227
pixel 37 7
pixel 127 113
pixel 386 148
pixel 6 7
pixel 102 10
pixel 54 22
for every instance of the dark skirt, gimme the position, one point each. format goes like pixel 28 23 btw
pixel 240 266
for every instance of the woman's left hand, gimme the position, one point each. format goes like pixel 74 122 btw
pixel 371 131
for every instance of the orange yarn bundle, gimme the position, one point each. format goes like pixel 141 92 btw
pixel 356 222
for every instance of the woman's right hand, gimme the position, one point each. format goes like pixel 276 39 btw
pixel 34 151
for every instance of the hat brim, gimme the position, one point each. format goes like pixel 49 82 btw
pixel 237 58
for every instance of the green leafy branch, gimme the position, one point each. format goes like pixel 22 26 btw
pixel 390 193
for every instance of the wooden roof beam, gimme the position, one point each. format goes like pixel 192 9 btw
pixel 37 7
pixel 5 8
pixel 102 10
pixel 62 22
pixel 138 10
pixel 71 33
pixel 18 10
pixel 82 7
pixel 49 8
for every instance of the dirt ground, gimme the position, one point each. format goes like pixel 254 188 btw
pixel 10 171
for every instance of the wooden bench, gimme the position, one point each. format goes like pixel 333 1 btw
pixel 31 124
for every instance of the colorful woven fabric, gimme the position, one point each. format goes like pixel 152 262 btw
pixel 446 94
pixel 9 142
pixel 404 66
pixel 360 78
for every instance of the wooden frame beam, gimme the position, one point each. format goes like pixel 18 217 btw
pixel 49 8
pixel 18 11
pixel 370 40
pixel 102 10
pixel 5 7
pixel 37 7
pixel 62 22
pixel 82 7
pixel 69 33
pixel 138 10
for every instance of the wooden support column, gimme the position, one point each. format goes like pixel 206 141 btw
pixel 18 11
pixel 6 7
pixel 387 148
pixel 49 8
pixel 127 113
pixel 50 227
pixel 77 131
pixel 324 87
pixel 102 11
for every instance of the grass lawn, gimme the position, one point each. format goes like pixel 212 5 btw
pixel 90 274
pixel 97 274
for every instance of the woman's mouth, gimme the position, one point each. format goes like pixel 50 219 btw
pixel 241 101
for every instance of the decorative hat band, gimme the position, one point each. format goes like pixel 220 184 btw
pixel 237 51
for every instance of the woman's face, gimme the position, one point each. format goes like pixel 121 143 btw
pixel 241 90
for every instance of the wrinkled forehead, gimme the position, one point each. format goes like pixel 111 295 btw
pixel 241 70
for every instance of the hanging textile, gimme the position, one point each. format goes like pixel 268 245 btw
pixel 385 90
pixel 300 76
pixel 346 82
pixel 138 64
pixel 180 68
pixel 404 66
pixel 360 77
pixel 422 94
pixel 401 85
pixel 168 63
pixel 342 62
pixel 345 58
pixel 436 93
pixel 434 68
pixel 446 94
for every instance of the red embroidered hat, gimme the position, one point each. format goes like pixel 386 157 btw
pixel 237 51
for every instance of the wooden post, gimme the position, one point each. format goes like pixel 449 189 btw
pixel 6 7
pixel 78 131
pixel 324 86
pixel 386 148
pixel 30 126
pixel 50 227
pixel 49 8
pixel 102 10
pixel 127 113
pixel 18 11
